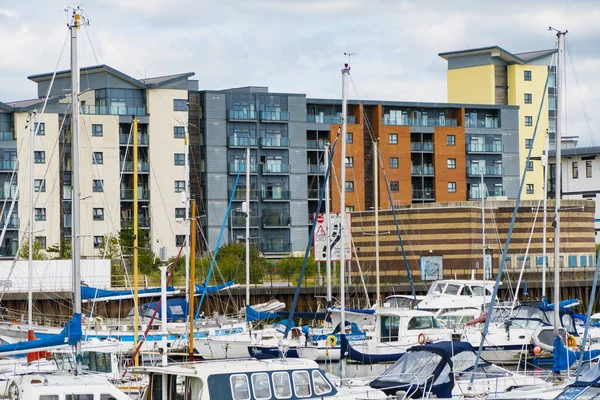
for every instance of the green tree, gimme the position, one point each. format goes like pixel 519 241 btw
pixel 37 254
pixel 231 259
pixel 290 267
pixel 597 250
pixel 60 250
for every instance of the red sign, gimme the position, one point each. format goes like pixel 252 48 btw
pixel 320 219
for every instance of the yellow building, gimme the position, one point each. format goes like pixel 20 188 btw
pixel 492 75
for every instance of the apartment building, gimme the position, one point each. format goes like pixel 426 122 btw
pixel 109 99
pixel 492 75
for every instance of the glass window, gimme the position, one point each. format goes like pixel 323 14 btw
pixel 180 213
pixel 451 163
pixel 260 386
pixel 40 214
pixel 528 120
pixel 451 187
pixel 572 261
pixel 48 397
pixel 97 157
pixel 451 140
pixel 539 261
pixel 301 383
pixel 350 209
pixel 394 186
pixel 588 169
pixel 39 185
pixel 393 162
pixel 583 261
pixel 39 128
pixel 179 159
pixel 98 214
pixel 179 132
pixel 281 385
pixel 478 290
pixel 575 169
pixel 239 387
pixel 527 75
pixel 180 105
pixel 591 261
pixel 389 328
pixel 522 260
pixel 179 186
pixel 320 383
pixel 529 165
pixel 349 186
pixel 393 138
pixel 349 138
pixel 421 322
pixel 529 189
pixel 79 397
pixel 39 157
pixel 96 129
pixel 452 289
pixel 98 185
pixel 41 241
pixel 179 240
pixel 528 98
pixel 349 162
pixel 528 143
pixel 97 242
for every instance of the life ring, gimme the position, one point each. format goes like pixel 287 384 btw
pixel 571 341
pixel 99 321
pixel 422 338
pixel 331 341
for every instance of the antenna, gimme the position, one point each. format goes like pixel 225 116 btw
pixel 348 54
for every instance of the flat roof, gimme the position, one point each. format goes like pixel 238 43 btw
pixel 410 104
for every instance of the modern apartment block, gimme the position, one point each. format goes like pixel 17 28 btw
pixel 108 100
pixel 492 75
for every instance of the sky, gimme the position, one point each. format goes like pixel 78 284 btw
pixel 298 46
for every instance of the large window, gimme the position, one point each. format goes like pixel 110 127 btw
pixel 575 169
pixel 178 132
pixel 39 185
pixel 179 186
pixel 98 185
pixel 393 162
pixel 180 105
pixel 97 157
pixel 394 186
pixel 179 159
pixel 118 102
pixel 527 75
pixel 528 98
pixel 98 214
pixel 349 186
pixel 588 169
pixel 452 163
pixel 39 157
pixel 96 129
pixel 393 138
pixel 528 120
pixel 451 187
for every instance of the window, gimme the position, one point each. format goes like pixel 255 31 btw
pixel 452 163
pixel 451 187
pixel 180 105
pixel 528 143
pixel 528 120
pixel 349 138
pixel 179 240
pixel 39 157
pixel 239 387
pixel 98 185
pixel 179 186
pixel 393 138
pixel 96 129
pixel 394 186
pixel 261 386
pixel 39 185
pixel 349 162
pixel 528 98
pixel 97 242
pixel 98 214
pixel 583 261
pixel 529 188
pixel 575 169
pixel 588 169
pixel 350 209
pixel 281 385
pixel 40 214
pixel 40 128
pixel 321 384
pixel 41 240
pixel 451 140
pixel 180 213
pixel 527 75
pixel 179 159
pixel 393 162
pixel 301 383
pixel 179 132
pixel 572 261
pixel 349 186
pixel 97 157
pixel 48 397
pixel 529 165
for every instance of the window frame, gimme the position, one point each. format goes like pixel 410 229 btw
pixel 308 383
pixel 349 162
pixel 39 157
pixel 395 186
pixel 529 188
pixel 393 138
pixel 268 385
pixel 527 75
pixel 349 138
pixel 98 189
pixel 97 158
pixel 451 187
pixel 39 185
pixel 528 98
pixel 449 141
pixel 529 166
pixel 394 162
pixel 320 376
pixel 180 210
pixel 179 158
pixel 39 128
pixel 575 169
pixel 98 214
pixel 232 387
pixel 289 384
pixel 178 105
pixel 349 185
pixel 528 120
pixel 42 240
pixel 179 189
pixel 96 132
pixel 40 215
pixel 451 163
pixel 589 168
pixel 176 132
pixel 528 143
pixel 179 240
pixel 98 243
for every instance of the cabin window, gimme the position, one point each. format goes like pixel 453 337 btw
pixel 49 397
pixel 389 328
pixel 478 290
pixel 281 385
pixel 301 383
pixel 79 397
pixel 97 362
pixel 422 322
pixel 320 383
pixel 452 289
pixel 261 386
pixel 107 397
pixel 239 387
pixel 466 291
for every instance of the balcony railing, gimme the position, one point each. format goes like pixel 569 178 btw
pixel 316 168
pixel 143 139
pixel 13 222
pixel 7 165
pixel 419 121
pixel 487 171
pixel 421 170
pixel 330 119
pixel 242 114
pixel 239 221
pixel 143 222
pixel 423 194
pixel 476 194
pixel 276 220
pixel 275 195
pixel 481 123
pixel 127 166
pixel 425 146
pixel 274 116
pixel 8 194
pixel 240 194
pixel 241 141
pixel 127 194
pixel 97 110
pixel 275 142
pixel 7 136
pixel 485 148
pixel 275 168
pixel 315 144
pixel 276 247
pixel 236 167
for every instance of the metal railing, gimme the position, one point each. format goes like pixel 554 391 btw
pixel 276 247
pixel 239 221
pixel 127 166
pixel 117 110
pixel 427 194
pixel 7 136
pixel 419 121
pixel 481 123
pixel 315 144
pixel 316 168
pixel 241 141
pixel 143 139
pixel 7 165
pixel 476 194
pixel 487 171
pixel 236 167
pixel 240 194
pixel 127 194
pixel 275 195
pixel 275 142
pixel 143 222
pixel 329 119
pixel 422 170
pixel 276 220
pixel 275 168
pixel 8 194
pixel 274 116
pixel 425 146
pixel 485 148
pixel 13 222
pixel 241 114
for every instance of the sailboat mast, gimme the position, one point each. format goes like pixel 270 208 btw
pixel 327 227
pixel 545 188
pixel 186 200
pixel 192 278
pixel 75 236
pixel 481 170
pixel 558 167
pixel 30 257
pixel 136 312
pixel 376 198
pixel 247 226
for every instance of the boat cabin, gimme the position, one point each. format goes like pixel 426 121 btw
pixel 398 325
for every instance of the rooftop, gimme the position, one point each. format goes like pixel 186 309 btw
pixel 497 51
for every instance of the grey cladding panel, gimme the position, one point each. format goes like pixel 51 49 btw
pixel 298 161
pixel 474 60
pixel 511 186
pixel 215 105
pixel 298 187
pixel 297 108
pixel 216 133
pixel 509 119
pixel 299 212
pixel 299 237
pixel 98 80
pixel 216 160
pixel 510 162
pixel 297 134
pixel 216 211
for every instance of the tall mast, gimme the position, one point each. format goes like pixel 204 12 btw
pixel 75 236
pixel 136 312
pixel 192 278
pixel 247 226
pixel 376 198
pixel 483 228
pixel 30 258
pixel 545 188
pixel 327 227
pixel 186 200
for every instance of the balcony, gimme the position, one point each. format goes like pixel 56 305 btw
pixel 127 166
pixel 274 142
pixel 275 168
pixel 239 221
pixel 313 194
pixel 330 119
pixel 143 139
pixel 143 222
pixel 419 121
pixel 97 110
pixel 422 170
pixel 423 194
pixel 475 194
pixel 275 195
pixel 425 146
pixel 13 222
pixel 7 136
pixel 270 247
pixel 240 194
pixel 8 194
pixel 319 169
pixel 7 165
pixel 234 168
pixel 274 116
pixel 241 115
pixel 234 141
pixel 487 171
pixel 485 148
pixel 127 194
pixel 315 144
pixel 276 220
pixel 482 123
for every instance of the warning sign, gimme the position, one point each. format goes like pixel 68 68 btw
pixel 322 241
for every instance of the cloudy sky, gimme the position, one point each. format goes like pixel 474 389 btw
pixel 298 45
